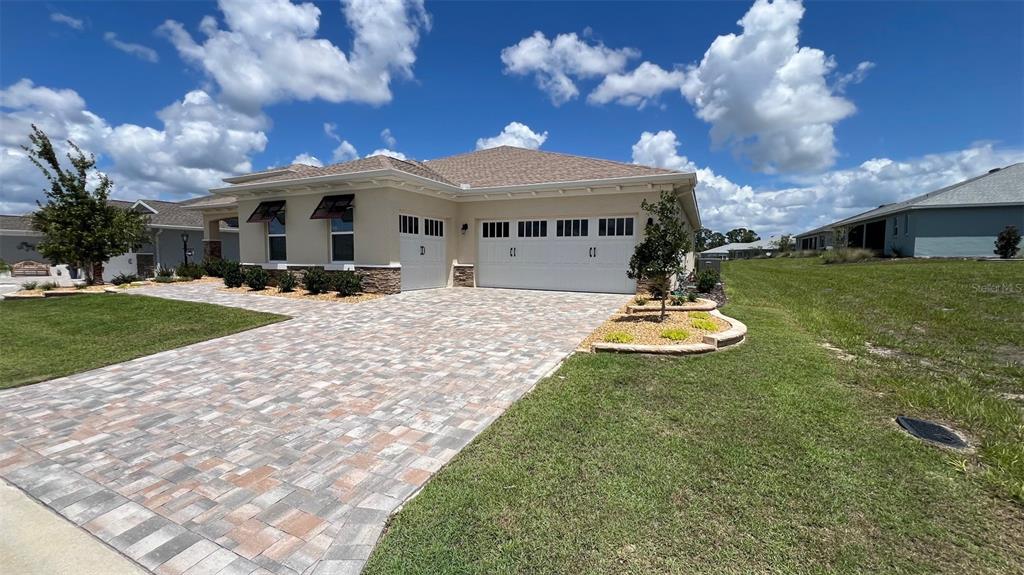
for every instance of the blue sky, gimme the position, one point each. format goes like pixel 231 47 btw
pixel 791 114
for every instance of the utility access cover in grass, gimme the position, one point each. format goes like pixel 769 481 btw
pixel 930 431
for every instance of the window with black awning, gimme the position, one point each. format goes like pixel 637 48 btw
pixel 331 207
pixel 266 211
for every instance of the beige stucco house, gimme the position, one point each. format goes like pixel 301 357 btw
pixel 503 217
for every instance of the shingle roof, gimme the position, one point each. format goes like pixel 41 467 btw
pixel 501 166
pixel 1002 186
pixel 168 214
pixel 762 244
pixel 18 223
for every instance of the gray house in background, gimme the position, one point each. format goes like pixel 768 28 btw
pixel 961 220
pixel 168 222
pixel 744 250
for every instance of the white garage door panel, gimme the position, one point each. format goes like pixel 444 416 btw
pixel 581 263
pixel 422 255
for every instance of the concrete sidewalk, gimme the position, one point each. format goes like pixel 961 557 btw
pixel 37 541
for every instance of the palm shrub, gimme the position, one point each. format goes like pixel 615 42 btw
pixel 706 280
pixel 348 283
pixel 1008 242
pixel 316 281
pixel 257 278
pixel 286 282
pixel 233 276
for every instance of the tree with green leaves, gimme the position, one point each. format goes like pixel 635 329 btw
pixel 79 227
pixel 1008 242
pixel 784 244
pixel 741 236
pixel 662 253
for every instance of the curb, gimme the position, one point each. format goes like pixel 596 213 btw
pixel 736 334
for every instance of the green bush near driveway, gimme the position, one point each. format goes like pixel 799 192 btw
pixel 316 281
pixel 347 283
pixel 675 334
pixel 233 275
pixel 257 278
pixel 47 338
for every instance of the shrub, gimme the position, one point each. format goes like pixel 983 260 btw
pixel 162 272
pixel 189 271
pixel 315 280
pixel 257 278
pixel 164 279
pixel 691 296
pixel 4 266
pixel 640 300
pixel 656 291
pixel 675 334
pixel 618 337
pixel 287 282
pixel 121 279
pixel 233 276
pixel 704 324
pixel 847 255
pixel 30 285
pixel 700 315
pixel 47 286
pixel 706 280
pixel 347 283
pixel 1008 242
pixel 677 300
pixel 214 267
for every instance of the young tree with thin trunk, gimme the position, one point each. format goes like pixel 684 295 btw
pixel 79 227
pixel 1007 242
pixel 662 253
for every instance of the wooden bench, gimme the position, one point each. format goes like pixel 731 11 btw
pixel 30 268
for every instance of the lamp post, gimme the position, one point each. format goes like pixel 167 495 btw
pixel 184 245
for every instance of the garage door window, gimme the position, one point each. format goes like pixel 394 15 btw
pixel 495 229
pixel 615 226
pixel 572 228
pixel 433 228
pixel 409 224
pixel 533 229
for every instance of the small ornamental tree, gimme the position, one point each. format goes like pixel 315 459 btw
pixel 1008 242
pixel 79 227
pixel 662 253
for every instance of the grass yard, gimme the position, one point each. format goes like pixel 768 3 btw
pixel 48 338
pixel 777 456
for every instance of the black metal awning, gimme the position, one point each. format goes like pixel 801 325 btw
pixel 266 211
pixel 332 207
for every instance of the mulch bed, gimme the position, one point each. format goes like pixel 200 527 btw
pixel 646 329
pixel 300 293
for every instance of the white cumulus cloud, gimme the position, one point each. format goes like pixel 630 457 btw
pixel 138 50
pixel 801 203
pixel 345 150
pixel 514 134
pixel 308 159
pixel 388 139
pixel 766 96
pixel 557 62
pixel 387 152
pixel 69 21
pixel 638 87
pixel 269 51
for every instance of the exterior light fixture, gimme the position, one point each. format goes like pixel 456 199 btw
pixel 184 245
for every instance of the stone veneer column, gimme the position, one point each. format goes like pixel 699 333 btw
pixel 382 280
pixel 464 275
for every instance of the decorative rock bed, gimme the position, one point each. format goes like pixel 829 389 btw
pixel 734 334
pixel 655 305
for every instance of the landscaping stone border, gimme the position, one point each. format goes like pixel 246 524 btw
pixel 736 334
pixel 699 305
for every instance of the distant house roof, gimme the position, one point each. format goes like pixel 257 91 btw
pixel 494 167
pixel 996 188
pixel 161 214
pixel 769 243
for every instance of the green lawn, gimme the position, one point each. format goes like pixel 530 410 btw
pixel 773 457
pixel 48 338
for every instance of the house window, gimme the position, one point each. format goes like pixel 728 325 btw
pixel 343 236
pixel 906 224
pixel 409 225
pixel 572 228
pixel 896 226
pixel 533 229
pixel 615 226
pixel 495 229
pixel 433 228
pixel 277 243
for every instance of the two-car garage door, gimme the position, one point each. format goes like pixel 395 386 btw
pixel 570 254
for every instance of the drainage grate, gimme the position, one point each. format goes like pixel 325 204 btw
pixel 930 431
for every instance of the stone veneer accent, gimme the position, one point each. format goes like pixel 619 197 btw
pixel 464 275
pixel 382 280
pixel 212 249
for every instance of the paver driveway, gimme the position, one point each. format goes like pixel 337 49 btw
pixel 283 448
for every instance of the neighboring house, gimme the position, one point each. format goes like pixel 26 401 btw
pixel 743 250
pixel 961 220
pixel 502 217
pixel 168 221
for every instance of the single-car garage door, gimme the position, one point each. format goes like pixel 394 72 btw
pixel 422 252
pixel 570 254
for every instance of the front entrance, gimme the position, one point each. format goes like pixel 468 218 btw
pixel 145 265
pixel 422 252
pixel 571 254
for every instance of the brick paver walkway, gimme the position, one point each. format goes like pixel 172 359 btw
pixel 283 449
